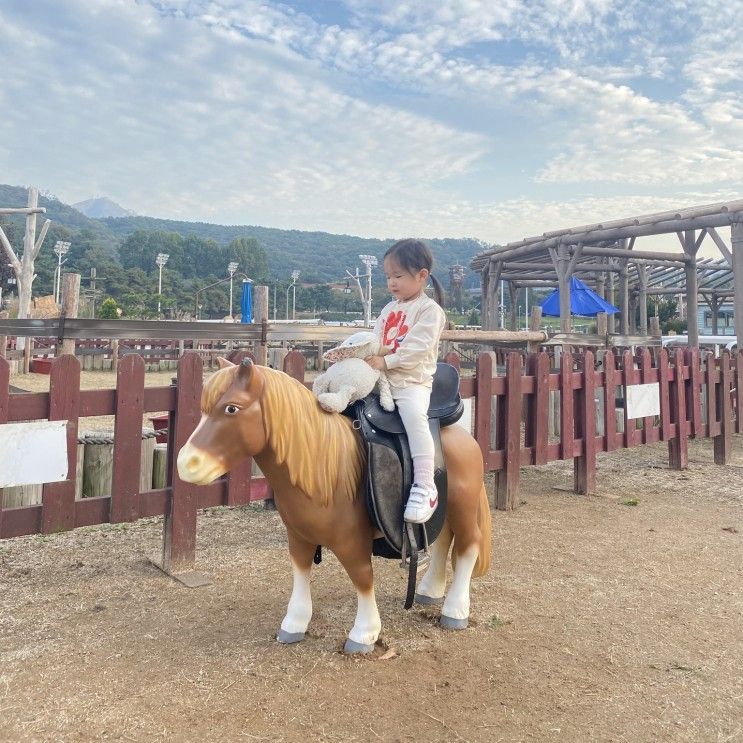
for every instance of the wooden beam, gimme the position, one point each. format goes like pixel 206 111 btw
pixel 736 240
pixel 726 254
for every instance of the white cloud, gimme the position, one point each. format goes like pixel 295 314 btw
pixel 252 112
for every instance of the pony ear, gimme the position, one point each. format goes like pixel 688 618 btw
pixel 223 363
pixel 249 375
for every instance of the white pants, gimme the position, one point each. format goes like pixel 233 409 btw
pixel 412 404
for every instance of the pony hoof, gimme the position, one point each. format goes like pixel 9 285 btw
pixel 452 623
pixel 353 648
pixel 428 600
pixel 289 638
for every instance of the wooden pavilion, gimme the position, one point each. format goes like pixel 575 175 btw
pixel 605 256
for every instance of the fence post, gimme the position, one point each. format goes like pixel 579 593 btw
pixel 694 395
pixel 678 447
pixel 739 392
pixel 723 442
pixel 125 479
pixel 179 530
pixel 537 409
pixel 483 395
pixel 507 479
pixel 58 498
pixel 4 401
pixel 610 403
pixel 567 419
pixel 665 398
pixel 584 466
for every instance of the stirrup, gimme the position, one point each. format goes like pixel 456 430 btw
pixel 424 555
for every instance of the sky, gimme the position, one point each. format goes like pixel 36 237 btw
pixel 380 118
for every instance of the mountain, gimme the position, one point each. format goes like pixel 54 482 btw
pixel 319 256
pixel 102 207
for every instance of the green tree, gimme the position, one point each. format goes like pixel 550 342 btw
pixel 109 309
pixel 250 256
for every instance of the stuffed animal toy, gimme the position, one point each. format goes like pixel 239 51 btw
pixel 350 378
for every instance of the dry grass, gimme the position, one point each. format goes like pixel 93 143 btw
pixel 596 622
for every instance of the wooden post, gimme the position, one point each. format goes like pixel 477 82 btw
pixel 513 315
pixel 58 502
pixel 484 367
pixel 562 264
pixel 655 326
pixel 678 447
pixel 692 287
pixel 642 274
pixel 260 314
pixel 179 532
pixel 485 298
pixel 115 355
pixel 507 479
pixel 624 299
pixel 602 324
pixel 535 320
pixel 610 391
pixel 70 306
pixel 127 439
pixel 567 420
pixel 3 338
pixel 723 441
pixel 584 466
pixel 736 236
pixel 610 299
pixel 27 348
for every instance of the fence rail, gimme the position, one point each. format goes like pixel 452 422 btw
pixel 530 415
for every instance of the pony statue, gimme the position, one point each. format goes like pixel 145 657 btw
pixel 315 462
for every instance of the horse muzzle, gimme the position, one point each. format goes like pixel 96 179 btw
pixel 198 466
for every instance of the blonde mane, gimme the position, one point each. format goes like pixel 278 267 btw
pixel 322 453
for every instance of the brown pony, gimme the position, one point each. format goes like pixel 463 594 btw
pixel 314 462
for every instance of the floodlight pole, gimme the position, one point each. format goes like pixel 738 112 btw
pixel 369 261
pixel 160 260
pixel 231 268
pixel 60 248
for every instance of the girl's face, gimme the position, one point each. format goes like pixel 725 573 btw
pixel 404 285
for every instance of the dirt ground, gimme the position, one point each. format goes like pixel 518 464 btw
pixel 600 620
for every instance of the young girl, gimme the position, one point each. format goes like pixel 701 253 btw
pixel 410 327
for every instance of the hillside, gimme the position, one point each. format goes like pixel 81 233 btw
pixel 320 256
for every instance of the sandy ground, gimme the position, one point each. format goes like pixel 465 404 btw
pixel 599 621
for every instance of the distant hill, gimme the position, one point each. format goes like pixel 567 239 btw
pixel 61 215
pixel 320 256
pixel 101 207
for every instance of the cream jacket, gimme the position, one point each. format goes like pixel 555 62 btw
pixel 410 331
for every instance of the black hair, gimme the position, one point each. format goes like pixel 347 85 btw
pixel 413 256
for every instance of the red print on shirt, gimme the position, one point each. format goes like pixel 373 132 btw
pixel 395 330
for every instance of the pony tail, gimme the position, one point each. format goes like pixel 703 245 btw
pixel 438 290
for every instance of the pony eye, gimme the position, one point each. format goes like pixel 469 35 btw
pixel 231 409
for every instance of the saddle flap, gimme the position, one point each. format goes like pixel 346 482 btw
pixel 446 404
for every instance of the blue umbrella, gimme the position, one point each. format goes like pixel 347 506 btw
pixel 246 302
pixel 583 301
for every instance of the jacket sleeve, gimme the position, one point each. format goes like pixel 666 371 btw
pixel 420 339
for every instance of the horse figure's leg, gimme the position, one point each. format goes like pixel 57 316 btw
pixel 468 519
pixel 355 556
pixel 299 611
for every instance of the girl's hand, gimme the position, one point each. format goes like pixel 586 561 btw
pixel 376 362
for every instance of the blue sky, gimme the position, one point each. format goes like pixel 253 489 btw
pixel 376 117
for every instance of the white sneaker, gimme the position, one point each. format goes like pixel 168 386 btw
pixel 421 504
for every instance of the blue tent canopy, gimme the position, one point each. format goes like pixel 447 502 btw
pixel 583 301
pixel 246 302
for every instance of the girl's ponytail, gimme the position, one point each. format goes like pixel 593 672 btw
pixel 438 291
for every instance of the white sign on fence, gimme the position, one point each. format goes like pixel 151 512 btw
pixel 33 452
pixel 642 400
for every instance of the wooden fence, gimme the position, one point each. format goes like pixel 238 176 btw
pixel 699 397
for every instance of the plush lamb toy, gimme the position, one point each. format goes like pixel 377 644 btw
pixel 350 378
